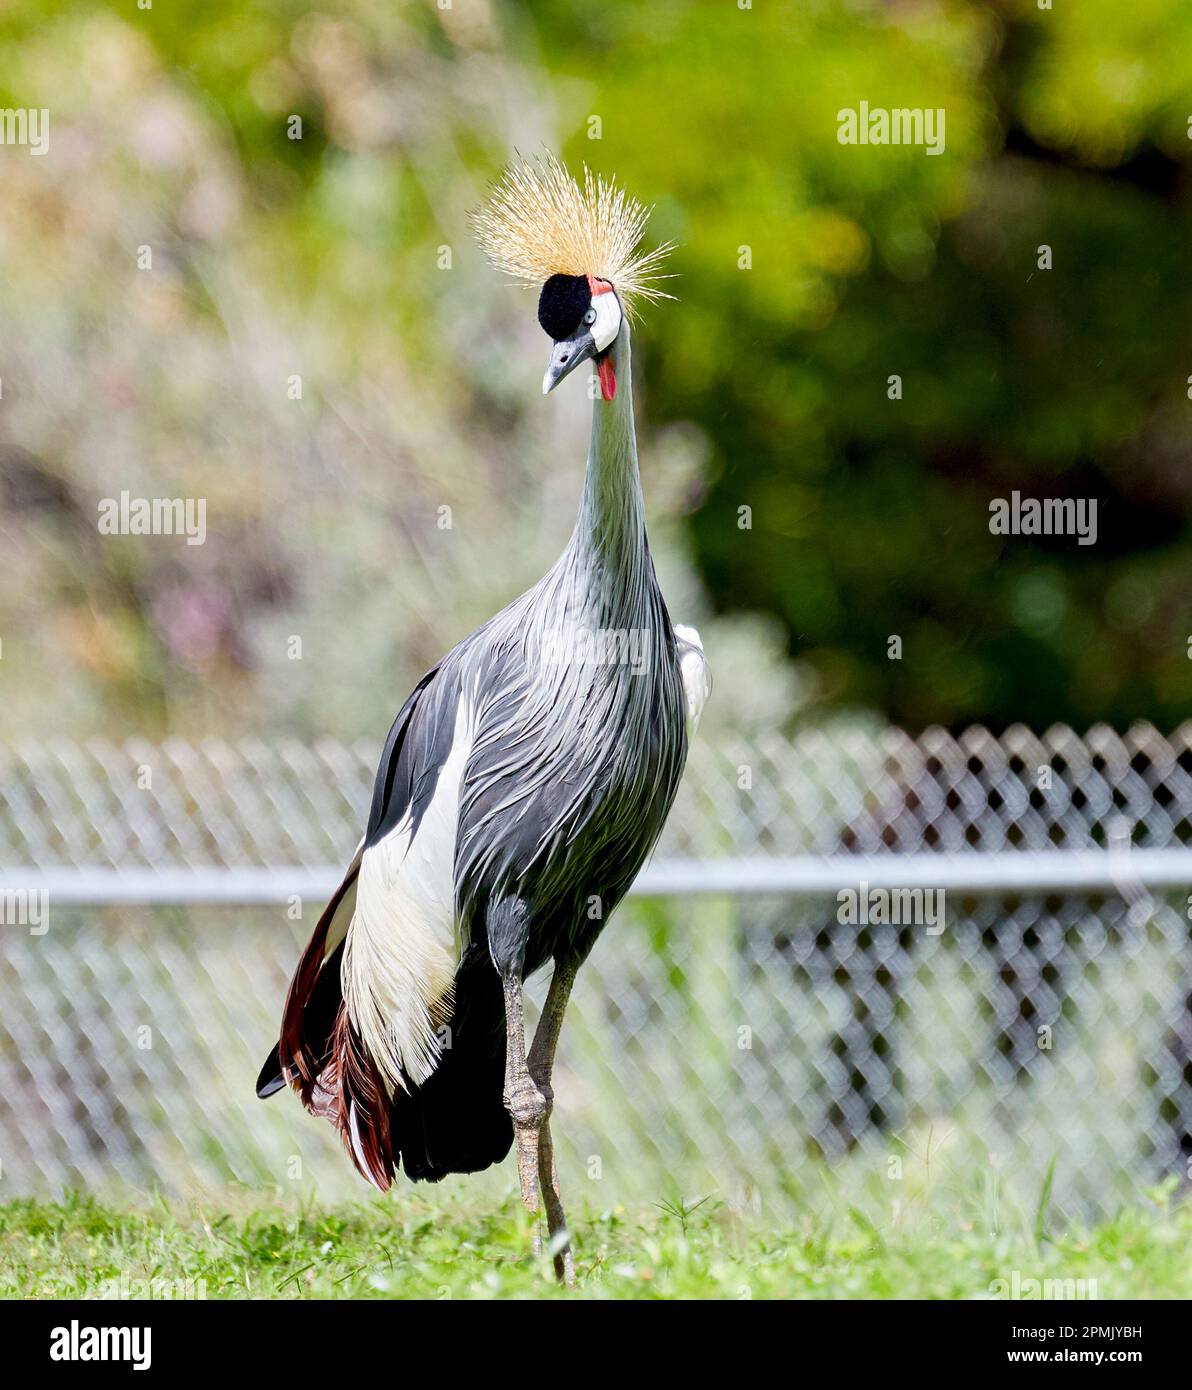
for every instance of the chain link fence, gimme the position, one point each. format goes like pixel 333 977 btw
pixel 859 957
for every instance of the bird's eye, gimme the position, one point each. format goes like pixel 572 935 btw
pixel 590 317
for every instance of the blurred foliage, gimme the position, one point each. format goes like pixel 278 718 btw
pixel 1066 128
pixel 764 387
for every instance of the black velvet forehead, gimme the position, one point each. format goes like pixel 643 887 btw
pixel 563 302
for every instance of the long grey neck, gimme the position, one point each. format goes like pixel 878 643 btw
pixel 609 540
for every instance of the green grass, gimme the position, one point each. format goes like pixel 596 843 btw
pixel 418 1244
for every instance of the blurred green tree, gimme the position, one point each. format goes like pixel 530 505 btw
pixel 1030 289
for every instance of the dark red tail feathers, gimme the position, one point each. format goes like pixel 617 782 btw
pixel 455 1123
pixel 320 1055
pixel 350 1092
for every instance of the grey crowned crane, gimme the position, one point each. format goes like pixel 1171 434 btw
pixel 522 785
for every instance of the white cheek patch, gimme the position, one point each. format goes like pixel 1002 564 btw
pixel 608 319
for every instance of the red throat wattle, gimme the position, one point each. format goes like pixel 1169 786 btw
pixel 608 378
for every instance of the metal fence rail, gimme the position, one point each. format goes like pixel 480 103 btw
pixel 735 1026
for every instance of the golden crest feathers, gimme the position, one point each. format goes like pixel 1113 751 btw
pixel 539 222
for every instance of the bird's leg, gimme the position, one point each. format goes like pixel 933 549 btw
pixel 526 1104
pixel 541 1064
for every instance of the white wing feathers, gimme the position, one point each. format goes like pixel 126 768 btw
pixel 403 945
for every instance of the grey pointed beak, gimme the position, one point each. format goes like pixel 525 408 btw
pixel 566 356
